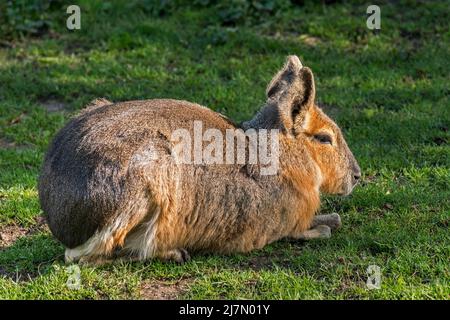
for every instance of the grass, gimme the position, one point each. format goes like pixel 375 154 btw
pixel 388 91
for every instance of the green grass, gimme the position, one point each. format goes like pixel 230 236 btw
pixel 388 92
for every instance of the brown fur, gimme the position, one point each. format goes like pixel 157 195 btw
pixel 98 183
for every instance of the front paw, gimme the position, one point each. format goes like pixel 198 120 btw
pixel 332 220
pixel 318 232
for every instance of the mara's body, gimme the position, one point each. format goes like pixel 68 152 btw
pixel 112 183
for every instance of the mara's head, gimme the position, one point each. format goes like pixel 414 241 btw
pixel 291 107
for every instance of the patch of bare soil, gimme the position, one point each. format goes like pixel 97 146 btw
pixel 10 233
pixel 164 290
pixel 259 263
pixel 306 39
pixel 11 145
pixel 6 144
pixel 310 40
pixel 265 262
pixel 273 260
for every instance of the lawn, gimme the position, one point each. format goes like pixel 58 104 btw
pixel 388 91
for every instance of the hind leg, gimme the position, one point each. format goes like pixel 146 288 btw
pixel 142 244
pixel 102 246
pixel 92 252
pixel 176 255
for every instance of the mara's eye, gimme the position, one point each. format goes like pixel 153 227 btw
pixel 323 138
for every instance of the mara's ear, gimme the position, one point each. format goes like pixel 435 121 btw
pixel 284 78
pixel 292 90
